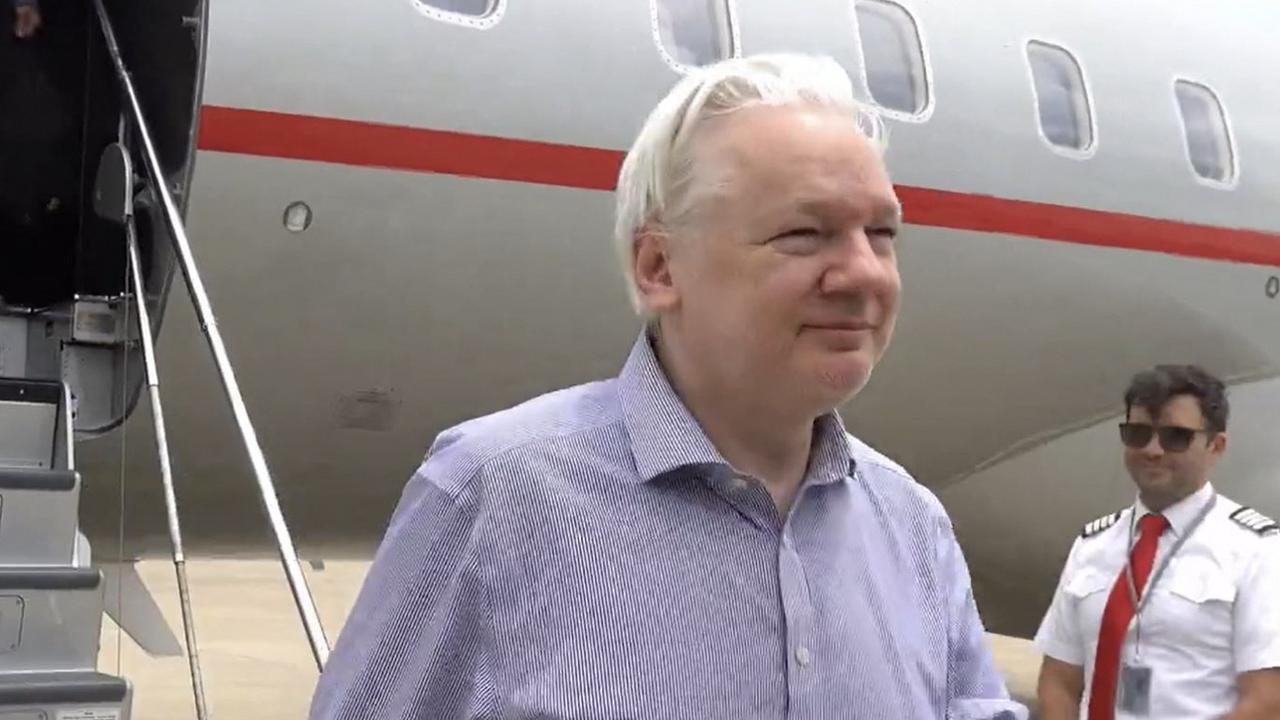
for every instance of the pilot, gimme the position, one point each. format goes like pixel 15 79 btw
pixel 698 537
pixel 1202 639
pixel 26 18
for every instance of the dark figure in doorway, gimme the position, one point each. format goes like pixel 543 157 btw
pixel 42 55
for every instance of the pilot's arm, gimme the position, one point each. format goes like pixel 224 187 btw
pixel 1061 683
pixel 1257 636
pixel 976 691
pixel 415 644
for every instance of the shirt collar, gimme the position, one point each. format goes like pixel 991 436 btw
pixel 666 437
pixel 1181 513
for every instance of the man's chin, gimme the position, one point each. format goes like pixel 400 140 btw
pixel 1157 492
pixel 844 376
pixel 1149 483
pixel 1155 478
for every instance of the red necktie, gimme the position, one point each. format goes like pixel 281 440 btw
pixel 1115 619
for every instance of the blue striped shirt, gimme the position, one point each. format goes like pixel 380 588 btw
pixel 589 554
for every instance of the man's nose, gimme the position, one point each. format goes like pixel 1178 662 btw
pixel 856 267
pixel 1153 448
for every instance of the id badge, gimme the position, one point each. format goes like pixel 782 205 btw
pixel 1134 693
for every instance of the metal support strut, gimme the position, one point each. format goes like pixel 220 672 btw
pixel 166 469
pixel 204 311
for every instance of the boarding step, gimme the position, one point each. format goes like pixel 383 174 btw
pixel 29 423
pixel 64 696
pixel 39 514
pixel 50 619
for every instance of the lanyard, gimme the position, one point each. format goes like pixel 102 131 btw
pixel 1138 605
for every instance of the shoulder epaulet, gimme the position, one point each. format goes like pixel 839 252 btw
pixel 1102 523
pixel 1253 520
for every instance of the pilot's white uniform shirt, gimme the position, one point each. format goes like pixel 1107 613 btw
pixel 1214 613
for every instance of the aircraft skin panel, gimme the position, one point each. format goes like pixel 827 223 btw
pixel 591 78
pixel 288 136
pixel 418 298
pixel 389 63
pixel 485 295
pixel 1017 520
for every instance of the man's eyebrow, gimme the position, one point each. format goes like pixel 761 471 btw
pixel 887 212
pixel 881 211
pixel 814 206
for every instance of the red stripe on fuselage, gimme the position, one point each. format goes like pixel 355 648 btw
pixel 364 144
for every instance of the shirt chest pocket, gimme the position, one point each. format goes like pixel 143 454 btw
pixel 1193 608
pixel 1087 582
pixel 1088 590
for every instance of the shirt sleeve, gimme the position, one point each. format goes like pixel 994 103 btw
pixel 1257 611
pixel 414 644
pixel 1059 635
pixel 975 690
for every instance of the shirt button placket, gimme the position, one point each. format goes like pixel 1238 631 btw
pixel 797 612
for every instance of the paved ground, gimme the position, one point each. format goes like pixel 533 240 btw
pixel 253 652
pixel 255 658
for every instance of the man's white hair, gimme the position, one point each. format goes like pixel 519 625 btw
pixel 654 185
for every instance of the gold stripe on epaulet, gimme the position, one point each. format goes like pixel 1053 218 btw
pixel 1255 521
pixel 1096 526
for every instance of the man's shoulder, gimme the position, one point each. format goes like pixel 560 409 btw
pixel 1245 523
pixel 866 456
pixel 1099 526
pixel 889 478
pixel 535 425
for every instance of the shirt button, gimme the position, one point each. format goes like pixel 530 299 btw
pixel 802 656
pixel 738 484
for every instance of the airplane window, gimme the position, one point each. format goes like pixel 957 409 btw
pixel 1205 125
pixel 1061 96
pixel 893 56
pixel 473 8
pixel 693 32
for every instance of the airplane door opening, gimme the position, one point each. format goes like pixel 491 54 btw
pixel 61 109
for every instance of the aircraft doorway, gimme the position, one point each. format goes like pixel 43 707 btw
pixel 59 108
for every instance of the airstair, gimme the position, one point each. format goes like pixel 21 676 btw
pixel 61 370
pixel 51 598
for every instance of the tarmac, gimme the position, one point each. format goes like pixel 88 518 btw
pixel 254 656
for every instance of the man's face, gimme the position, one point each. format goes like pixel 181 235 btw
pixel 1165 476
pixel 786 281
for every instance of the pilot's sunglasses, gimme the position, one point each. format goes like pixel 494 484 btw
pixel 1172 438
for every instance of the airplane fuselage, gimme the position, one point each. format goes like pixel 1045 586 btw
pixel 457 258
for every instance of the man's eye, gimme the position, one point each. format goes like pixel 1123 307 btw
pixel 885 232
pixel 799 240
pixel 799 232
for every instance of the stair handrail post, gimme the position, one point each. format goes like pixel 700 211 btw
pixel 208 324
pixel 166 469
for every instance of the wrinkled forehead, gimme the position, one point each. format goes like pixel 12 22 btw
pixel 790 154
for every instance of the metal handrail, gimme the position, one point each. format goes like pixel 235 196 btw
pixel 204 311
pixel 166 467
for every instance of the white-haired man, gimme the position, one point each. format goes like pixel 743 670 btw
pixel 698 537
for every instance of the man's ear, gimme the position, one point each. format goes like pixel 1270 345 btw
pixel 651 263
pixel 1218 445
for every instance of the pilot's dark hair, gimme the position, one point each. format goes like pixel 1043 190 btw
pixel 1152 389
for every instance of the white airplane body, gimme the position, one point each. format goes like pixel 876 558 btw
pixel 457 259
